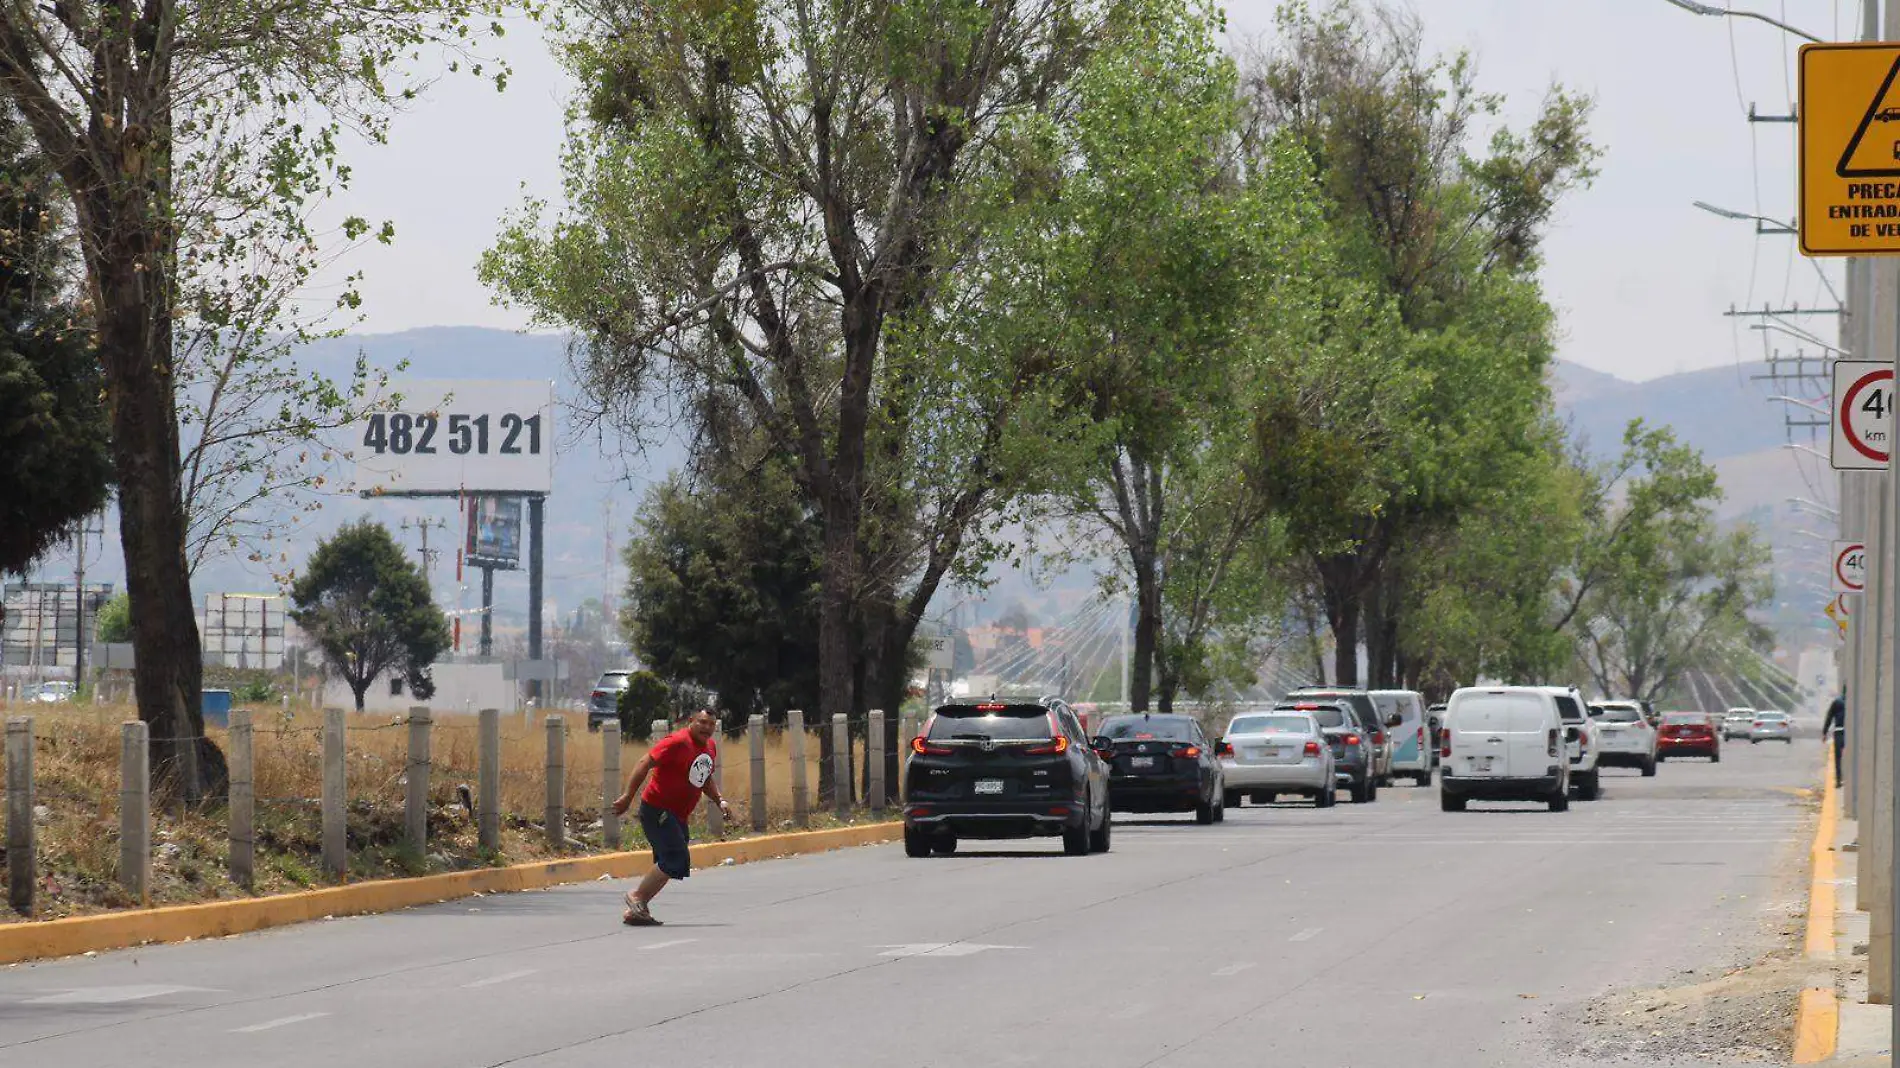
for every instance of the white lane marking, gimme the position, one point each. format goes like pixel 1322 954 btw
pixel 938 949
pixel 283 1021
pixel 1232 969
pixel 505 977
pixel 111 995
pixel 1306 934
pixel 663 945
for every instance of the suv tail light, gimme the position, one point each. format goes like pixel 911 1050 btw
pixel 1550 747
pixel 922 747
pixel 599 694
pixel 1226 748
pixel 1352 739
pixel 1312 748
pixel 1189 752
pixel 1378 737
pixel 1421 737
pixel 1058 744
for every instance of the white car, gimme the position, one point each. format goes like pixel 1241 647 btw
pixel 1584 744
pixel 55 693
pixel 1268 753
pixel 1771 726
pixel 1624 738
pixel 1737 724
pixel 1505 743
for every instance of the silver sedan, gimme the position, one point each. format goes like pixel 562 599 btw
pixel 1771 727
pixel 1264 754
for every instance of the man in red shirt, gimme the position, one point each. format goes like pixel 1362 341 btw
pixel 669 782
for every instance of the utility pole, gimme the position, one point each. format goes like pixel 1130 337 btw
pixel 422 525
pixel 85 531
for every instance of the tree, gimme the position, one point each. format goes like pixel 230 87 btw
pixel 647 698
pixel 174 128
pixel 1453 238
pixel 52 423
pixel 787 213
pixel 368 608
pixel 722 589
pixel 114 624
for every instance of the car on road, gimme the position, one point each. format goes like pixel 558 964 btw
pixel 1688 734
pixel 1771 726
pixel 994 769
pixel 1584 744
pixel 54 693
pixel 1351 745
pixel 1737 724
pixel 1505 743
pixel 1371 722
pixel 1161 762
pixel 603 703
pixel 1624 737
pixel 1265 754
pixel 1412 752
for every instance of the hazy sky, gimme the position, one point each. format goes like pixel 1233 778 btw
pixel 1640 276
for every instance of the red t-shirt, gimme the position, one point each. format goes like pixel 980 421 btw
pixel 681 767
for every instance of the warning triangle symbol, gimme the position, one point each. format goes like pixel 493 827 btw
pixel 1874 150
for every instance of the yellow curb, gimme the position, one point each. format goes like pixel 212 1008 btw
pixel 1817 1015
pixel 217 919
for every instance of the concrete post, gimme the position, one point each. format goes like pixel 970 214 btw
pixel 135 809
pixel 416 780
pixel 488 810
pixel 795 740
pixel 755 742
pixel 557 783
pixel 336 856
pixel 610 783
pixel 874 760
pixel 841 763
pixel 243 799
pixel 22 854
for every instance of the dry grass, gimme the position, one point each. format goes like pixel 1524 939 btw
pixel 77 783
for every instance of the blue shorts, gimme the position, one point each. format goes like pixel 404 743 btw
pixel 666 834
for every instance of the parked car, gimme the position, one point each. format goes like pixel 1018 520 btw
pixel 1624 737
pixel 1737 725
pixel 1019 769
pixel 1162 763
pixel 1265 754
pixel 1584 744
pixel 1370 720
pixel 1771 726
pixel 1350 743
pixel 1505 743
pixel 1408 739
pixel 604 703
pixel 54 693
pixel 1688 734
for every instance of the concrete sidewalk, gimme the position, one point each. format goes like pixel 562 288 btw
pixel 1862 1039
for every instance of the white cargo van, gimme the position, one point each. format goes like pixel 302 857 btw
pixel 1503 743
pixel 1412 752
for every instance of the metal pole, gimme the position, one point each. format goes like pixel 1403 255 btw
pixel 488 612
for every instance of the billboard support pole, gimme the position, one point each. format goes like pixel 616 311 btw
pixel 488 611
pixel 536 504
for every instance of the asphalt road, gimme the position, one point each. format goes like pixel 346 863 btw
pixel 1367 935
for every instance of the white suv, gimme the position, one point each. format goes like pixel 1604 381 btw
pixel 1585 744
pixel 1503 743
pixel 1625 738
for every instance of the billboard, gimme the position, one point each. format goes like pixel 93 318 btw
pixel 494 532
pixel 441 437
pixel 243 630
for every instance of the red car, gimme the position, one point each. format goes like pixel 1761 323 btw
pixel 1688 734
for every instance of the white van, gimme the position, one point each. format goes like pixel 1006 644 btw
pixel 1412 752
pixel 1504 743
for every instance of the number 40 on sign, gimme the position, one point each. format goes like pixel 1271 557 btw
pixel 1862 415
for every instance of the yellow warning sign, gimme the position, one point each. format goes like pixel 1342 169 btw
pixel 1850 149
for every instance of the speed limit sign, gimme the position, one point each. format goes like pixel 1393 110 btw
pixel 1862 415
pixel 1850 567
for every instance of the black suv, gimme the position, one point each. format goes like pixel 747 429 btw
pixel 1371 724
pixel 1016 769
pixel 1350 741
pixel 1162 763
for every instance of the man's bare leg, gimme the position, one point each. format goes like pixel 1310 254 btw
pixel 637 898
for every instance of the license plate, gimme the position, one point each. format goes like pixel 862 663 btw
pixel 1255 754
pixel 1276 752
pixel 989 786
pixel 1483 763
pixel 1141 762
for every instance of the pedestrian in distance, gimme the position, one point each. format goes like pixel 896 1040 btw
pixel 1836 721
pixel 669 781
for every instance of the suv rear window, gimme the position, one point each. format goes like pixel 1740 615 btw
pixel 1158 728
pixel 1620 715
pixel 1329 716
pixel 1002 723
pixel 1567 708
pixel 1268 724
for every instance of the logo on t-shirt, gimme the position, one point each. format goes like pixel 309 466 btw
pixel 700 771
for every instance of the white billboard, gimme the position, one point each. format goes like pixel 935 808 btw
pixel 440 436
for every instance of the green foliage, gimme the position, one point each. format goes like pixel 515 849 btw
pixel 52 420
pixel 369 609
pixel 722 590
pixel 114 622
pixel 646 698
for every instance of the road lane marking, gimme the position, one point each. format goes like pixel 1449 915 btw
pixel 1306 934
pixel 938 949
pixel 285 1021
pixel 111 995
pixel 505 977
pixel 1232 969
pixel 663 945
